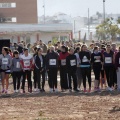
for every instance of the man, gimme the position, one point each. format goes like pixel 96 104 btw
pixel 52 67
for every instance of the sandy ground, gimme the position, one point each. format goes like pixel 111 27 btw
pixel 60 106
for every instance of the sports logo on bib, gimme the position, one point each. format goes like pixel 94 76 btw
pixel 84 59
pixel 27 63
pixel 108 60
pixel 5 61
pixel 72 62
pixel 63 62
pixel 52 62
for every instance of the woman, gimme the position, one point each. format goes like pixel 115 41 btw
pixel 108 57
pixel 78 72
pixel 97 63
pixel 63 69
pixel 6 62
pixel 117 65
pixel 85 66
pixel 39 70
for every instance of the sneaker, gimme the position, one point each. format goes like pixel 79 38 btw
pixel 51 90
pixel 76 90
pixel 35 90
pixel 14 91
pixel 56 90
pixel 107 88
pixel 30 90
pixel 89 91
pixel 17 91
pixel 110 89
pixel 3 91
pixel 6 91
pixel 23 91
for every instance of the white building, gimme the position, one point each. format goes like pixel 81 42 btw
pixel 32 33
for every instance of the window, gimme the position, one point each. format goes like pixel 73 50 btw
pixel 8 19
pixel 7 5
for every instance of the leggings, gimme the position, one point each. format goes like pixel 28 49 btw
pixel 97 70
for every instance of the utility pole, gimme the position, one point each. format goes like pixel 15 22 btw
pixel 88 24
pixel 44 9
pixel 104 10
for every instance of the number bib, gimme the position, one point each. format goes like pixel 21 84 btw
pixel 18 65
pixel 5 61
pixel 63 62
pixel 108 60
pixel 84 59
pixel 52 62
pixel 72 62
pixel 96 57
pixel 27 63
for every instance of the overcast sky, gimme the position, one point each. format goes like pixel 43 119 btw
pixel 77 7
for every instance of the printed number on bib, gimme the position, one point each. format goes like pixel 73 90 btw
pixel 18 65
pixel 5 61
pixel 52 62
pixel 63 62
pixel 72 62
pixel 27 63
pixel 97 58
pixel 108 60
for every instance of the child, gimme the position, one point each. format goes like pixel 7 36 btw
pixel 16 69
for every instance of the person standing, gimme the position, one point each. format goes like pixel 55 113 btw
pixel 27 64
pixel 63 68
pixel 52 68
pixel 108 57
pixel 5 63
pixel 71 62
pixel 85 58
pixel 78 72
pixel 97 64
pixel 39 70
pixel 16 71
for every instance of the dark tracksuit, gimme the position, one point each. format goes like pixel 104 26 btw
pixel 63 70
pixel 85 67
pixel 71 68
pixel 97 64
pixel 108 67
pixel 39 70
pixel 52 67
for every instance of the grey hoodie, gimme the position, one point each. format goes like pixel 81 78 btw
pixel 5 62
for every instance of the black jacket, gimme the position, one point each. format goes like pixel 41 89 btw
pixel 70 67
pixel 38 63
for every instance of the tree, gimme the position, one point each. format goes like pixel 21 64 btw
pixel 107 29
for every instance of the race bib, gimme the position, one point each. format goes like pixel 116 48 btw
pixel 41 64
pixel 18 65
pixel 72 62
pixel 97 58
pixel 84 59
pixel 63 62
pixel 52 62
pixel 27 63
pixel 108 60
pixel 5 61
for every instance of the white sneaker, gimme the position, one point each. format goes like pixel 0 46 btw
pixel 14 91
pixel 35 90
pixel 110 89
pixel 51 90
pixel 17 91
pixel 56 90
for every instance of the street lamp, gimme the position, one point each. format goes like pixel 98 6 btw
pixel 104 9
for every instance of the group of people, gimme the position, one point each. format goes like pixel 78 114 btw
pixel 74 61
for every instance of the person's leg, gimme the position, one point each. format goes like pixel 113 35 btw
pixel 7 81
pixel 43 80
pixel 83 71
pixel 3 80
pixel 118 79
pixel 55 78
pixel 23 81
pixel 89 77
pixel 69 78
pixel 78 77
pixel 111 77
pixel 35 78
pixel 50 79
pixel 18 80
pixel 29 81
pixel 14 80
pixel 74 80
pixel 61 78
pixel 107 75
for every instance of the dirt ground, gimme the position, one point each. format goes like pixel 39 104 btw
pixel 60 106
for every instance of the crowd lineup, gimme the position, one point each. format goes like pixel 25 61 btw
pixel 74 61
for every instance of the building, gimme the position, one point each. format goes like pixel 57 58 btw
pixel 30 33
pixel 18 11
